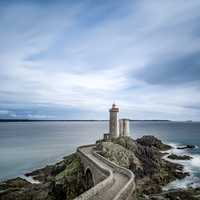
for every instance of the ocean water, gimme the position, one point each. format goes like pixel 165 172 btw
pixel 25 146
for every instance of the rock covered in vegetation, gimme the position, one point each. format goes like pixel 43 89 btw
pixel 144 158
pixel 150 158
pixel 120 155
pixel 14 183
pixel 64 180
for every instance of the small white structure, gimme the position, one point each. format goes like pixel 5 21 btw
pixel 124 127
pixel 117 128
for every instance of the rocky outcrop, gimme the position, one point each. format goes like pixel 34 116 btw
pixel 178 157
pixel 149 155
pixel 64 180
pixel 120 155
pixel 14 183
pixel 179 194
pixel 152 141
pixel 143 157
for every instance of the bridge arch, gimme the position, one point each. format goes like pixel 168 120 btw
pixel 89 179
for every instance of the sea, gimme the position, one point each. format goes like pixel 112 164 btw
pixel 26 146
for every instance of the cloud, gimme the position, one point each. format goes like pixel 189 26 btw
pixel 185 69
pixel 3 112
pixel 7 114
pixel 80 57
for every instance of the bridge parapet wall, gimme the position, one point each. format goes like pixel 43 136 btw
pixel 124 194
pixel 99 173
pixel 100 186
pixel 129 188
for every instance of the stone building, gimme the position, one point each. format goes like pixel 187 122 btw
pixel 117 128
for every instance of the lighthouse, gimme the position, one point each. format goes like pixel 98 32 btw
pixel 117 128
pixel 114 122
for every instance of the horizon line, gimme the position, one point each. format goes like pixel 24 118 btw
pixel 43 120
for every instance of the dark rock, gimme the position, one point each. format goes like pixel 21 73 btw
pixel 32 192
pixel 177 157
pixel 178 194
pixel 59 167
pixel 152 141
pixel 14 183
pixel 149 157
pixel 41 175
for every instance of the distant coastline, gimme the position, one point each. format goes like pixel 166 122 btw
pixel 72 120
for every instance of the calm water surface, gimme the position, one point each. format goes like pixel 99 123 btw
pixel 25 146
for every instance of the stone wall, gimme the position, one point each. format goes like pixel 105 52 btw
pixel 99 173
pixel 129 188
pixel 103 177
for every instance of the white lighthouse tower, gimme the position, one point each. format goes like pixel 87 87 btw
pixel 118 128
pixel 114 122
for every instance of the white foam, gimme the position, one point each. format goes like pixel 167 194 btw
pixel 189 181
pixel 192 166
pixel 195 161
pixel 30 179
pixel 173 145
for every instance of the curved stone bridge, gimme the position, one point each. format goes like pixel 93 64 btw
pixel 106 180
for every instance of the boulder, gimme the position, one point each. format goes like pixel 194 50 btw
pixel 151 141
pixel 178 157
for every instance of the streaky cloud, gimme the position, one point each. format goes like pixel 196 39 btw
pixel 73 59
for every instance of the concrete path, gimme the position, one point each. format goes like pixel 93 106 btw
pixel 120 179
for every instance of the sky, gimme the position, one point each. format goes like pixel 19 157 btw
pixel 72 59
